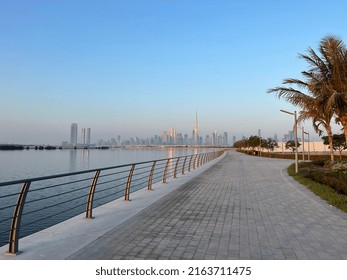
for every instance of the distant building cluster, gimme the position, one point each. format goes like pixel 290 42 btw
pixel 290 136
pixel 169 137
pixel 74 143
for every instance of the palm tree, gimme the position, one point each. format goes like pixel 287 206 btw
pixel 325 87
pixel 320 118
pixel 334 54
pixel 330 74
pixel 311 107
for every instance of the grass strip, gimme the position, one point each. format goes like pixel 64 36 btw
pixel 323 191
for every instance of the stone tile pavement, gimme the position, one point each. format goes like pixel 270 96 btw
pixel 243 207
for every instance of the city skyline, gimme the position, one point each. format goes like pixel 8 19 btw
pixel 167 137
pixel 139 67
pixel 82 136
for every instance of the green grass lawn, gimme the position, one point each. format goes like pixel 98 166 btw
pixel 332 196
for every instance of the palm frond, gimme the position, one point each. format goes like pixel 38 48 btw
pixel 294 96
pixel 322 93
pixel 297 82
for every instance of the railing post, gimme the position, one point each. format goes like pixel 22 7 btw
pixel 198 161
pixel 175 173
pixel 194 165
pixel 184 163
pixel 127 188
pixel 150 179
pixel 17 215
pixel 89 210
pixel 165 171
pixel 190 161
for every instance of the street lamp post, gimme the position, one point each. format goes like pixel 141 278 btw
pixel 303 144
pixel 308 144
pixel 296 138
pixel 259 134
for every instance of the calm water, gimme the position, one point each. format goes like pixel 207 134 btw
pixel 52 201
pixel 31 163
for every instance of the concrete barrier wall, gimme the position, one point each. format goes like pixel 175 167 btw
pixel 311 146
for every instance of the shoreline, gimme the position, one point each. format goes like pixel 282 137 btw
pixel 13 147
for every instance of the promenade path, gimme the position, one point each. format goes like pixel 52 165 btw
pixel 243 207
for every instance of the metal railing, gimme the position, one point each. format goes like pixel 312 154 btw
pixel 30 205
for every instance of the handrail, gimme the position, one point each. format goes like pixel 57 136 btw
pixel 106 184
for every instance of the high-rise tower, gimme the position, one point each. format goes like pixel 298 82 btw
pixel 73 135
pixel 196 130
pixel 83 136
pixel 88 136
pixel 172 136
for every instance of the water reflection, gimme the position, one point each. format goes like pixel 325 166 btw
pixel 83 161
pixel 170 154
pixel 85 157
pixel 17 165
pixel 73 160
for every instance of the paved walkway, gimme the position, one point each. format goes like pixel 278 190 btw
pixel 243 207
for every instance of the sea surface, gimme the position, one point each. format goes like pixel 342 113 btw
pixel 22 164
pixel 52 201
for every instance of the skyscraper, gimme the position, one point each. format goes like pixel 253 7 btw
pixel 88 136
pixel 214 140
pixel 83 136
pixel 225 139
pixel 196 131
pixel 165 138
pixel 73 134
pixel 172 136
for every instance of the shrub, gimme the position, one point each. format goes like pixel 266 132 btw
pixel 333 179
pixel 324 191
pixel 319 162
pixel 340 166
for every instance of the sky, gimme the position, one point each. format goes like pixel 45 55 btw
pixel 139 67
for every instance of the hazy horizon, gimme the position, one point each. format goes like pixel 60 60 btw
pixel 138 68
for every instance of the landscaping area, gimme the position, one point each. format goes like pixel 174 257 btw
pixel 326 179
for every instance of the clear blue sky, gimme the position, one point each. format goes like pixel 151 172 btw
pixel 139 67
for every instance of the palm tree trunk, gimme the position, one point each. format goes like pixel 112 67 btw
pixel 330 137
pixel 343 121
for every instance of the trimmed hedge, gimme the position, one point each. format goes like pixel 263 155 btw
pixel 334 179
pixel 325 192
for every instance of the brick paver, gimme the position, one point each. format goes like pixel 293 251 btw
pixel 241 208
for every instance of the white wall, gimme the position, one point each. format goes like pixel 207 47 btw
pixel 312 146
